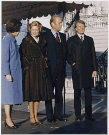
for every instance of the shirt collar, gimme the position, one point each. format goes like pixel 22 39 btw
pixel 36 39
pixel 54 32
pixel 80 36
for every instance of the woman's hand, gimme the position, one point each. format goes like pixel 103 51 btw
pixel 9 78
pixel 73 64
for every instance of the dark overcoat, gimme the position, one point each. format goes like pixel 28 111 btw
pixel 83 54
pixel 54 53
pixel 37 83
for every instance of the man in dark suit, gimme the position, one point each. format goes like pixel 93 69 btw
pixel 82 58
pixel 56 43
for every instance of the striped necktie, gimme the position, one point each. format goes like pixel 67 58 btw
pixel 82 38
pixel 57 38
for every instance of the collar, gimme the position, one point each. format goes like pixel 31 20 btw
pixel 80 36
pixel 36 39
pixel 54 32
pixel 11 37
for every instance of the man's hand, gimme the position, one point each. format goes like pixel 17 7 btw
pixel 94 74
pixel 73 64
pixel 9 78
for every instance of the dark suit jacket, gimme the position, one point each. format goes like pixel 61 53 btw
pixel 83 54
pixel 54 52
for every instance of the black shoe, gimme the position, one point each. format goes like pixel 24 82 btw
pixel 49 120
pixel 61 119
pixel 78 119
pixel 54 120
pixel 90 118
pixel 11 127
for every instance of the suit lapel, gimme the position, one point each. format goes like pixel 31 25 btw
pixel 85 38
pixel 78 40
pixel 61 38
pixel 63 42
pixel 51 36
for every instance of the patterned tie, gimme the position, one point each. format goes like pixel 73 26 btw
pixel 57 38
pixel 82 38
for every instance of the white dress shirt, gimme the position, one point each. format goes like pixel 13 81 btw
pixel 54 33
pixel 80 36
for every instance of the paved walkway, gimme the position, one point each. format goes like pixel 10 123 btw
pixel 20 115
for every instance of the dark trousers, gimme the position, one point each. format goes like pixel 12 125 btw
pixel 58 109
pixel 88 102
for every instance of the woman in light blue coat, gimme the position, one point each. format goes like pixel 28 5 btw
pixel 11 86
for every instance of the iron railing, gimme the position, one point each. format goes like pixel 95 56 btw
pixel 101 79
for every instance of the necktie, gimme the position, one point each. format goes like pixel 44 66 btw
pixel 82 38
pixel 57 38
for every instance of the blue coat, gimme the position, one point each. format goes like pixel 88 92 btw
pixel 11 92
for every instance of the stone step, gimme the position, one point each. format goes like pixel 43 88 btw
pixel 100 49
pixel 104 34
pixel 100 36
pixel 101 42
pixel 94 30
pixel 101 46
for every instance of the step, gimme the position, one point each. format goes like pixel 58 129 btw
pixel 97 34
pixel 100 41
pixel 100 49
pixel 97 45
pixel 93 30
pixel 104 46
pixel 101 44
pixel 102 37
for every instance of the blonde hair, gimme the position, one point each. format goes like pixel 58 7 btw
pixel 35 23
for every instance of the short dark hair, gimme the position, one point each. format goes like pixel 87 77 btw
pixel 79 21
pixel 13 25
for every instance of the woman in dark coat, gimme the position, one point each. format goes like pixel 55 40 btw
pixel 37 84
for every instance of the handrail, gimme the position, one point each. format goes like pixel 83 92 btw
pixel 73 20
pixel 103 54
pixel 101 79
pixel 101 60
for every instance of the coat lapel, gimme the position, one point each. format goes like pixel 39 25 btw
pixel 78 39
pixel 39 45
pixel 63 42
pixel 61 38
pixel 52 37
pixel 42 42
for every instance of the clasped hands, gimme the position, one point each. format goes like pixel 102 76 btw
pixel 94 74
pixel 9 78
